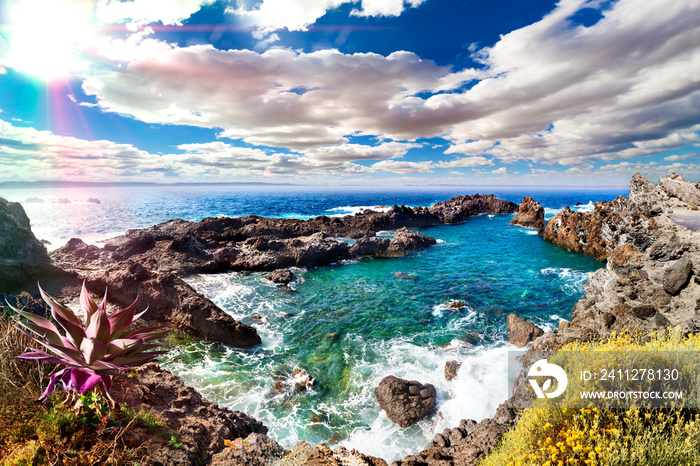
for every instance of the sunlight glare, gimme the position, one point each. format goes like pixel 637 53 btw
pixel 47 37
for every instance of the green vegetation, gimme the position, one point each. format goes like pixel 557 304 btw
pixel 547 435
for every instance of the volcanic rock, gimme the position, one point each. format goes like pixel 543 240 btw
pixel 530 214
pixel 254 450
pixel 676 275
pixel 522 332
pixel 303 454
pixel 201 426
pixel 405 402
pixel 451 369
pixel 23 258
pixel 281 276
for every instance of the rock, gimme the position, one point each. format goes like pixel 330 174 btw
pixel 173 301
pixel 522 332
pixel 644 198
pixel 403 242
pixel 404 276
pixel 34 200
pixel 455 305
pixel 281 276
pixel 64 200
pixel 92 200
pixel 302 381
pixel 405 402
pixel 254 450
pixel 23 258
pixel 451 369
pixel 201 426
pixel 304 454
pixel 530 214
pixel 675 186
pixel 676 275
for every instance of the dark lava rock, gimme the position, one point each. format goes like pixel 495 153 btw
pixel 171 300
pixel 281 276
pixel 23 258
pixel 92 200
pixel 455 305
pixel 405 402
pixel 530 214
pixel 451 369
pixel 522 332
pixel 403 242
pixel 201 426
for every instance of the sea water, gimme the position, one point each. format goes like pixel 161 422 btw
pixel 351 324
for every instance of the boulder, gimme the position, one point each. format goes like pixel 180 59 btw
pixel 405 402
pixel 676 275
pixel 304 454
pixel 676 186
pixel 451 369
pixel 23 258
pixel 530 214
pixel 522 332
pixel 254 450
pixel 280 276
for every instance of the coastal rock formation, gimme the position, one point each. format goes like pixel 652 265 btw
pixel 530 214
pixel 405 402
pixel 522 332
pixel 303 454
pixel 254 450
pixel 171 300
pixel 202 426
pixel 23 258
pixel 403 242
pixel 676 187
pixel 280 276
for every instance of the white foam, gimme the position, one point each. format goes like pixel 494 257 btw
pixel 585 207
pixel 352 210
pixel 571 281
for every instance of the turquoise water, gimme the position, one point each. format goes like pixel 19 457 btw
pixel 351 324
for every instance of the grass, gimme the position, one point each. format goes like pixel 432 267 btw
pixel 58 432
pixel 592 435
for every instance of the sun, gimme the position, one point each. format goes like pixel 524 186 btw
pixel 48 37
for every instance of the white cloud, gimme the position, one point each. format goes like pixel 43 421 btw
pixel 403 168
pixel 551 92
pixel 676 158
pixel 298 15
pixel 168 12
pixel 466 162
pixel 502 171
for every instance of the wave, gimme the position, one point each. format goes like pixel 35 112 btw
pixel 571 281
pixel 352 210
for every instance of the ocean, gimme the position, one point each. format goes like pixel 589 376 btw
pixel 353 323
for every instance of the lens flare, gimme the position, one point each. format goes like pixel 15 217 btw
pixel 48 37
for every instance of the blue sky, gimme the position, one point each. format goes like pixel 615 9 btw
pixel 356 92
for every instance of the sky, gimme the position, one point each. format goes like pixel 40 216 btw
pixel 350 92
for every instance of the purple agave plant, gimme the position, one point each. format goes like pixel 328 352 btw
pixel 92 351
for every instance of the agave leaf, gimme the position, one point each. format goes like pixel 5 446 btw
pixel 103 366
pixel 41 326
pixel 99 326
pixel 136 359
pixel 38 354
pixel 75 356
pixel 65 312
pixel 123 347
pixel 74 332
pixel 119 321
pixel 150 333
pixel 87 303
pixel 93 350
pixel 52 383
pixel 84 380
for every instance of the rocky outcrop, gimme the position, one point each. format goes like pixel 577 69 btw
pixel 676 187
pixel 280 276
pixel 23 258
pixel 405 402
pixel 202 427
pixel 303 454
pixel 522 332
pixel 254 450
pixel 170 299
pixel 403 242
pixel 530 214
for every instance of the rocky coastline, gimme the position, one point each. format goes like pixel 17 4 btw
pixel 648 242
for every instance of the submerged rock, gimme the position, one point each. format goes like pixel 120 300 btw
pixel 280 276
pixel 522 332
pixel 451 369
pixel 405 402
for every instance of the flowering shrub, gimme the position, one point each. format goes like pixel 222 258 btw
pixel 92 351
pixel 592 436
